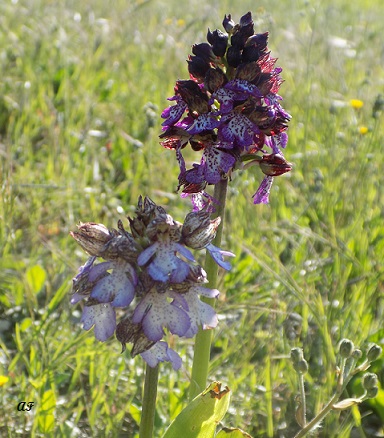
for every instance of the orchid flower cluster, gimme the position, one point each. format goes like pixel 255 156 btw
pixel 230 110
pixel 153 266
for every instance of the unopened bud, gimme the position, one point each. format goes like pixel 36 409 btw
pixel 356 354
pixel 219 41
pixel 372 392
pixel 163 227
pixel 274 165
pixel 370 381
pixel 228 23
pixel 346 348
pixel 374 352
pixel 301 366
pixel 198 230
pixel 214 79
pixel 92 237
pixel 296 355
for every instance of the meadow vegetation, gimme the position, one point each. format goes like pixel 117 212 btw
pixel 82 87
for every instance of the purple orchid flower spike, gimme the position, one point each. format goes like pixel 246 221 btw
pixel 227 114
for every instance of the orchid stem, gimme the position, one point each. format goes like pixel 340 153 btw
pixel 149 402
pixel 204 337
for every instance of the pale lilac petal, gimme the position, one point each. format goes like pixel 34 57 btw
pixel 201 314
pixel 160 352
pixel 179 300
pixel 87 266
pixel 104 289
pixel 174 358
pixel 76 297
pixel 116 288
pixel 166 266
pixel 185 252
pixel 103 317
pixel 99 270
pixel 218 255
pixel 237 128
pixel 180 273
pixel 147 254
pixel 154 312
pixel 156 273
pixel 262 194
pixel 206 292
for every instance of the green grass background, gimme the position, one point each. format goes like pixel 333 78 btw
pixel 82 85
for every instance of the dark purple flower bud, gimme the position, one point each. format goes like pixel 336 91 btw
pixel 197 68
pixel 274 165
pixel 228 23
pixel 204 50
pixel 214 79
pixel 250 54
pixel 243 31
pixel 246 20
pixel 219 42
pixel 191 93
pixel 255 46
pixel 234 56
pixel 259 41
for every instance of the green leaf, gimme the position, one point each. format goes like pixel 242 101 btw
pixel 25 324
pixel 36 276
pixel 232 432
pixel 46 420
pixel 135 413
pixel 200 418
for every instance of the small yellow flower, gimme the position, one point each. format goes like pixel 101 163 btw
pixel 3 380
pixel 356 103
pixel 181 22
pixel 363 130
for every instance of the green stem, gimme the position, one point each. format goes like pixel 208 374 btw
pixel 342 382
pixel 204 337
pixel 149 402
pixel 303 411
